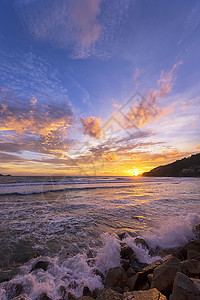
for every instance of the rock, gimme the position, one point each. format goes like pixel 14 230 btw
pixel 21 297
pixel 126 251
pixel 71 296
pixel 193 254
pixel 116 277
pixel 152 294
pixel 144 286
pixel 132 281
pixel 149 278
pixel 125 263
pixel 85 298
pixel 192 245
pixel 149 269
pixel 108 295
pixel 140 279
pixel 63 291
pixel 137 266
pixel 197 231
pixel 130 272
pixel 196 282
pixel 40 265
pixel 141 242
pixel 98 273
pixel 122 235
pixel 14 290
pixel 191 267
pixel 184 288
pixel 44 296
pixel 171 251
pixel 87 292
pixel 164 275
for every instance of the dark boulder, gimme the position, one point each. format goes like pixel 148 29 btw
pixel 184 288
pixel 40 265
pixel 164 275
pixel 116 277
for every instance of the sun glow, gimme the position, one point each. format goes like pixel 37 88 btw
pixel 136 172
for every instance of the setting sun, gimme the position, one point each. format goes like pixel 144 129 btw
pixel 136 172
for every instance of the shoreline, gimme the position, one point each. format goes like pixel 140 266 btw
pixel 174 275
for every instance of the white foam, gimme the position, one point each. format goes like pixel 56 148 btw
pixel 173 232
pixel 109 255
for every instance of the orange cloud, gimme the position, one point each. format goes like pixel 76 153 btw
pixel 147 109
pixel 36 127
pixel 111 156
pixel 92 127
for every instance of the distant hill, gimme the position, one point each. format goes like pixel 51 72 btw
pixel 186 167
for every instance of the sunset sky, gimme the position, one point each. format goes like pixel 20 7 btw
pixel 98 87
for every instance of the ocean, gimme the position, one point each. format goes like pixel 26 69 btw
pixel 74 223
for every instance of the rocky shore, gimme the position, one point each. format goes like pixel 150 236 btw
pixel 175 277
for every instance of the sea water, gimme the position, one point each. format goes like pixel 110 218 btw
pixel 74 223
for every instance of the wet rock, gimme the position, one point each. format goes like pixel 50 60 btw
pixel 193 254
pixel 192 245
pixel 98 273
pixel 140 280
pixel 116 277
pixel 152 294
pixel 196 282
pixel 108 295
pixel 63 291
pixel 130 272
pixel 126 251
pixel 149 269
pixel 164 275
pixel 40 265
pixel 95 293
pixel 14 290
pixel 87 292
pixel 149 278
pixel 21 297
pixel 197 231
pixel 144 286
pixel 171 251
pixel 137 266
pixel 122 235
pixel 141 242
pixel 184 288
pixel 125 263
pixel 191 267
pixel 85 298
pixel 71 296
pixel 132 281
pixel 44 296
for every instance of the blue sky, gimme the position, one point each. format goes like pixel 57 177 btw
pixel 68 69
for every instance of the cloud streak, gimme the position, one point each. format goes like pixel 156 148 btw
pixel 147 109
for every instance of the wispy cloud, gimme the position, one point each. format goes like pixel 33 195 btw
pixel 147 110
pixel 83 26
pixel 92 127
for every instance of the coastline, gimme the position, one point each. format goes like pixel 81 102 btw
pixel 173 274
